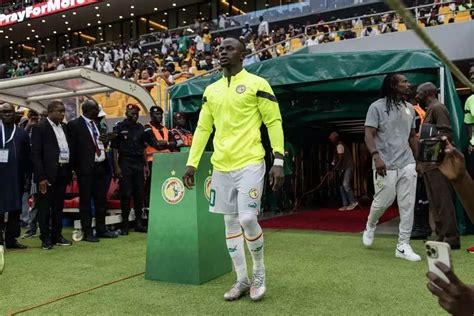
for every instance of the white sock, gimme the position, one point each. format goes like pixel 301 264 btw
pixel 255 245
pixel 235 245
pixel 254 239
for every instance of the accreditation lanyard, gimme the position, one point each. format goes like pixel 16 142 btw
pixel 4 142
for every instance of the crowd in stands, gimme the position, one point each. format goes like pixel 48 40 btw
pixel 178 56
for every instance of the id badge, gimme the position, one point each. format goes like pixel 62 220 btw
pixel 3 155
pixel 64 155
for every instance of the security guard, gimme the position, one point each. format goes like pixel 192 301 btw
pixel 164 143
pixel 183 137
pixel 130 165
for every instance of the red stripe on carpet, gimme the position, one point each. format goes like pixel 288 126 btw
pixel 327 220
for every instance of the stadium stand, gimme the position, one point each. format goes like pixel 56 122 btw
pixel 180 54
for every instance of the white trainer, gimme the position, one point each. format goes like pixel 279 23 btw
pixel 2 259
pixel 257 288
pixel 237 290
pixel 368 236
pixel 405 251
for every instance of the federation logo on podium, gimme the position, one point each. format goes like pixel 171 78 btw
pixel 172 190
pixel 207 188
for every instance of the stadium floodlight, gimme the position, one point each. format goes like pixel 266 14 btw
pixel 43 21
pixel 156 9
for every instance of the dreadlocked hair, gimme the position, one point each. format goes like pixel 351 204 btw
pixel 388 92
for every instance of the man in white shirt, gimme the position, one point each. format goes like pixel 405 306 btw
pixel 50 156
pixel 104 66
pixel 263 28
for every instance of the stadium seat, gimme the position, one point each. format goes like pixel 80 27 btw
pixel 463 16
pixel 295 44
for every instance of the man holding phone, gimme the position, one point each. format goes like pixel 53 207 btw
pixel 440 191
pixel 455 297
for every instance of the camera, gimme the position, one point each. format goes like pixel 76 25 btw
pixel 432 251
pixel 431 150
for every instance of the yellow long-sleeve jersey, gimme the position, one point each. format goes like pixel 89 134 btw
pixel 237 110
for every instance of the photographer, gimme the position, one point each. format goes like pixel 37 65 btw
pixel 455 297
pixel 440 191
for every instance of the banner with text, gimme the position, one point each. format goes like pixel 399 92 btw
pixel 42 9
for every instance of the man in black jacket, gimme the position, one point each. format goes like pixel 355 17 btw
pixel 89 161
pixel 50 156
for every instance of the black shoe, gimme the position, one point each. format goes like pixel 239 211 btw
pixel 23 224
pixel 124 232
pixel 63 242
pixel 91 238
pixel 28 234
pixel 15 245
pixel 46 245
pixel 140 229
pixel 107 234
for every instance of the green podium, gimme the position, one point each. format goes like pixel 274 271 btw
pixel 185 243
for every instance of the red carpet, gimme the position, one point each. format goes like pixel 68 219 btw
pixel 327 219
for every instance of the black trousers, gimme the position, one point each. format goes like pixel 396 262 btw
pixel 146 197
pixel 441 198
pixel 132 184
pixel 92 190
pixel 50 207
pixel 11 229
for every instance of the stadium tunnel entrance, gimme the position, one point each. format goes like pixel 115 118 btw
pixel 321 93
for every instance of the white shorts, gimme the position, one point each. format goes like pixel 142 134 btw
pixel 237 191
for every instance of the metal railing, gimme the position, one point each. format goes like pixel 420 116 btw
pixel 368 16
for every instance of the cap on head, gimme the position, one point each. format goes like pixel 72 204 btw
pixel 179 115
pixel 132 106
pixel 156 109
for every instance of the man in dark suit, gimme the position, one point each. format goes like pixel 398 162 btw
pixel 50 156
pixel 89 161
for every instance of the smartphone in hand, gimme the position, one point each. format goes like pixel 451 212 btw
pixel 437 251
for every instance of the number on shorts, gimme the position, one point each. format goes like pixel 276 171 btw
pixel 212 197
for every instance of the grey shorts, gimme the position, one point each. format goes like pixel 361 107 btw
pixel 238 191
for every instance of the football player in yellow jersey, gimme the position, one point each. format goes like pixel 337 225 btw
pixel 236 106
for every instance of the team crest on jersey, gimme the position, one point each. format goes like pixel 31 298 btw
pixel 253 193
pixel 240 89
pixel 207 188
pixel 172 190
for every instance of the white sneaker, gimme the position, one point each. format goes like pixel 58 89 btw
pixel 257 288
pixel 405 251
pixel 2 259
pixel 352 206
pixel 368 236
pixel 237 290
